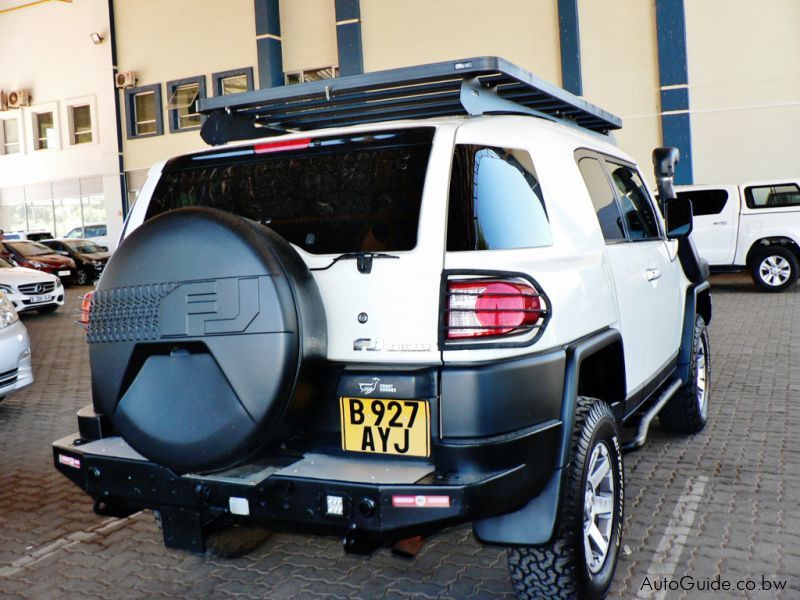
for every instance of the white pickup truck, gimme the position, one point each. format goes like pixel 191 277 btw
pixel 753 226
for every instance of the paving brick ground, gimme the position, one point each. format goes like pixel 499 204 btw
pixel 744 525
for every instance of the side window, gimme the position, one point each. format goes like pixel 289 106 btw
pixel 637 210
pixel 706 202
pixel 603 199
pixel 772 196
pixel 496 201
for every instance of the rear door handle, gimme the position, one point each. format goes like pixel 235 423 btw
pixel 652 274
pixel 720 223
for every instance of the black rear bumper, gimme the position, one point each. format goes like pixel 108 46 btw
pixel 279 494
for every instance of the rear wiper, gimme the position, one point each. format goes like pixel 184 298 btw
pixel 363 260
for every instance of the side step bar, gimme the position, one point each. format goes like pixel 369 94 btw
pixel 644 424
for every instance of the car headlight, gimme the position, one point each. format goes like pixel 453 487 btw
pixel 7 313
pixel 97 263
pixel 6 288
pixel 37 264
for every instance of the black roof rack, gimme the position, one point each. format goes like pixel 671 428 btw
pixel 473 86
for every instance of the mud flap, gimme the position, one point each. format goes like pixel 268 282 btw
pixel 531 525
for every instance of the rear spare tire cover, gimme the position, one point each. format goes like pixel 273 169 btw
pixel 206 336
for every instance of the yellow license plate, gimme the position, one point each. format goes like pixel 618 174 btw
pixel 381 426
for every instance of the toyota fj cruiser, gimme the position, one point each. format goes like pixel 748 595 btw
pixel 377 327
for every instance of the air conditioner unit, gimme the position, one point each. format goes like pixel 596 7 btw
pixel 3 101
pixel 19 98
pixel 126 79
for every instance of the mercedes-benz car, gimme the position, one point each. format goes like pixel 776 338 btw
pixel 29 289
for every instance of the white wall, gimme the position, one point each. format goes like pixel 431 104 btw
pixel 59 63
pixel 744 85
pixel 165 40
pixel 619 52
pixel 415 32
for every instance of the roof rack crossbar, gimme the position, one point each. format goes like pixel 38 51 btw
pixel 475 86
pixel 354 103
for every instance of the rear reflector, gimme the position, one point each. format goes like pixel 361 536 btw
pixel 69 461
pixel 491 307
pixel 421 501
pixel 268 147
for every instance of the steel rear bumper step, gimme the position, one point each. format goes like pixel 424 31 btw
pixel 385 500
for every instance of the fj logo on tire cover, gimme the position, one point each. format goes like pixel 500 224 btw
pixel 210 307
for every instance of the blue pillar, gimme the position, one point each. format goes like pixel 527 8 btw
pixel 268 43
pixel 673 74
pixel 570 37
pixel 348 37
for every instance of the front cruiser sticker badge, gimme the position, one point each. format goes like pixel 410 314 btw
pixel 371 345
pixel 369 387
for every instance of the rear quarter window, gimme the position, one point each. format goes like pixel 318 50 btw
pixel 772 196
pixel 706 202
pixel 496 202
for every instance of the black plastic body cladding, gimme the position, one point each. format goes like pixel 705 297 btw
pixel 499 397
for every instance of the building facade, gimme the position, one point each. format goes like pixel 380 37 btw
pixel 58 149
pixel 720 79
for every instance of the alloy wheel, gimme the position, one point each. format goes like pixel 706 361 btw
pixel 775 270
pixel 598 508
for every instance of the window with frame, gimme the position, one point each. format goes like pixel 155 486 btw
pixel 235 84
pixel 638 213
pixel 706 202
pixel 236 81
pixel 772 196
pixel 44 130
pixel 182 105
pixel 9 130
pixel 80 117
pixel 496 201
pixel 143 111
pixel 605 205
pixel 144 105
pixel 312 75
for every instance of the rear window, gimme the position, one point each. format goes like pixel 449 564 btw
pixel 496 201
pixel 326 195
pixel 706 202
pixel 30 248
pixel 772 196
pixel 41 235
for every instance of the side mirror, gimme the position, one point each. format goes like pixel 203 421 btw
pixel 664 161
pixel 679 218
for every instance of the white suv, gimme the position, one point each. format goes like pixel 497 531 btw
pixel 381 329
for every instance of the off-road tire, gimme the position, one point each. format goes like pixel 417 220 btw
pixel 560 569
pixel 687 412
pixel 780 256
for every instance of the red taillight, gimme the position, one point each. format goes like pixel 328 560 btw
pixel 86 307
pixel 268 147
pixel 479 308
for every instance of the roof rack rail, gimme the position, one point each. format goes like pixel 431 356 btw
pixel 472 86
